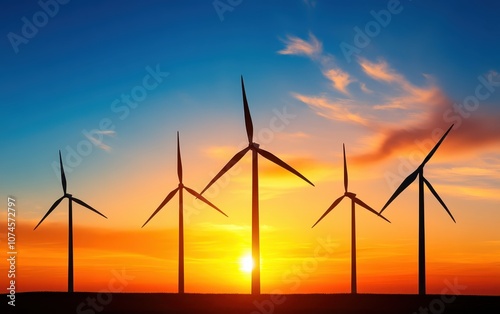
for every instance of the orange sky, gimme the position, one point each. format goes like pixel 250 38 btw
pixel 293 260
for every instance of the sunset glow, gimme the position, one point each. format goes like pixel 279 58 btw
pixel 246 263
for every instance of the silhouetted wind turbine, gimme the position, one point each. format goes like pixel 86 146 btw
pixel 354 201
pixel 70 222
pixel 254 147
pixel 421 218
pixel 170 195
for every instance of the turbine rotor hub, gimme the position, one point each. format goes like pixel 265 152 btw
pixel 254 145
pixel 350 194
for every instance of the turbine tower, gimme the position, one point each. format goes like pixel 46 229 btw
pixel 256 150
pixel 419 172
pixel 354 201
pixel 71 199
pixel 170 195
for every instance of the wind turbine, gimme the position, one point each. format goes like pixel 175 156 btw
pixel 254 147
pixel 354 201
pixel 419 172
pixel 170 195
pixel 70 222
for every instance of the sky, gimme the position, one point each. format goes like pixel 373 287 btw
pixel 110 84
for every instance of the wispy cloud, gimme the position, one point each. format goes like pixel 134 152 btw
pixel 299 135
pixel 297 46
pixel 406 102
pixel 340 79
pixel 405 118
pixel 99 142
pixel 237 229
pixel 472 171
pixel 419 132
pixel 470 191
pixel 313 49
pixel 380 71
pixel 204 226
pixel 338 109
pixel 404 95
pixel 295 136
pixel 221 152
pixel 365 89
pixel 475 177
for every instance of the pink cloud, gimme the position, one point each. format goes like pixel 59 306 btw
pixel 479 130
pixel 298 46
pixel 313 49
pixel 340 79
pixel 406 118
pixel 379 71
pixel 339 109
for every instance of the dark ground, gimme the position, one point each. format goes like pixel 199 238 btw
pixel 91 302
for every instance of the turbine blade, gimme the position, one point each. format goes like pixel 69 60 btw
pixel 335 203
pixel 50 210
pixel 406 182
pixel 228 166
pixel 363 204
pixel 346 179
pixel 165 201
pixel 438 198
pixel 248 118
pixel 281 163
pixel 198 195
pixel 88 206
pixel 429 156
pixel 179 161
pixel 63 176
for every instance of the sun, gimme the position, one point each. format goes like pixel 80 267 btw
pixel 246 263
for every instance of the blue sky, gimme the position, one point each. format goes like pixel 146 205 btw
pixel 70 79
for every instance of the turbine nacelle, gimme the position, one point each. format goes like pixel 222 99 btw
pixel 66 195
pixel 254 146
pixel 180 187
pixel 350 194
pixel 419 172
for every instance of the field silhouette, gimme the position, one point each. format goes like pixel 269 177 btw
pixel 93 302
